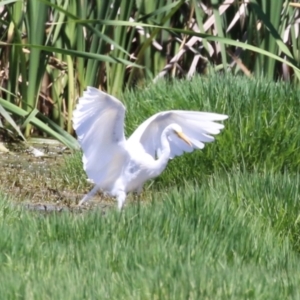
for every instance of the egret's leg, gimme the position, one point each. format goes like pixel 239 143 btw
pixel 89 195
pixel 121 199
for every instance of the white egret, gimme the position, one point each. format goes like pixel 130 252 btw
pixel 118 166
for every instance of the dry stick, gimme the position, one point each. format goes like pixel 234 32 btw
pixel 183 42
pixel 239 62
pixel 226 4
pixel 193 66
pixel 241 12
pixel 294 4
pixel 238 51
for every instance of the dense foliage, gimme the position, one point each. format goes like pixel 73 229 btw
pixel 51 50
pixel 222 222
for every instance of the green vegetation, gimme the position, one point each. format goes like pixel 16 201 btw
pixel 115 44
pixel 222 223
pixel 235 237
pixel 262 132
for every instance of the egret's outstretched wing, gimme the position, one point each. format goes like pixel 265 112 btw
pixel 197 126
pixel 99 123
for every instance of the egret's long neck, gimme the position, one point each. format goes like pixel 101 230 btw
pixel 162 161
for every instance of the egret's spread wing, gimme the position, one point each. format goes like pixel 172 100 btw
pixel 197 126
pixel 99 123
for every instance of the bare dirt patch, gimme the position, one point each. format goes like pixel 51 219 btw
pixel 35 182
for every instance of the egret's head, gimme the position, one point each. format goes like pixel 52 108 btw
pixel 178 131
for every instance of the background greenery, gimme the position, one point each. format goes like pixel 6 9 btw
pixel 236 237
pixel 52 49
pixel 219 223
pixel 262 132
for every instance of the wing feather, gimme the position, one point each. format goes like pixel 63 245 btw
pixel 99 123
pixel 197 126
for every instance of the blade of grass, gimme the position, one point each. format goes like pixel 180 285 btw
pixel 9 119
pixel 60 135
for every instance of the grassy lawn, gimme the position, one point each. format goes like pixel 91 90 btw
pixel 222 223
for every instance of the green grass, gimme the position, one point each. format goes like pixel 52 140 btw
pixel 235 237
pixel 262 131
pixel 222 223
pixel 264 120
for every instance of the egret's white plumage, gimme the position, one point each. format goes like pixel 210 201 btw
pixel 118 166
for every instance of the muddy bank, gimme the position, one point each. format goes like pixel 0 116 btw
pixel 36 182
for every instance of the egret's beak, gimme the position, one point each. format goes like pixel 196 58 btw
pixel 184 137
